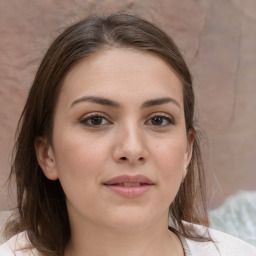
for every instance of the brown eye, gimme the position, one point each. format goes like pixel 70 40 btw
pixel 157 120
pixel 160 120
pixel 95 120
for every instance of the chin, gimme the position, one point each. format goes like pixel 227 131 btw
pixel 130 221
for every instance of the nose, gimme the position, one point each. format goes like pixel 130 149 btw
pixel 130 146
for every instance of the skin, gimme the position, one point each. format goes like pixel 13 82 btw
pixel 126 140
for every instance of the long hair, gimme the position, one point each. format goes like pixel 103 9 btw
pixel 41 206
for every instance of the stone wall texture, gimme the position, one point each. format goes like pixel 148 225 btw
pixel 218 40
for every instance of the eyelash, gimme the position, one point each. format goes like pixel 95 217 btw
pixel 89 117
pixel 165 117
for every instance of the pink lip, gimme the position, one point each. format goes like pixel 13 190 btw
pixel 116 185
pixel 129 179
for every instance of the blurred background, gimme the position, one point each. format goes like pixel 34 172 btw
pixel 218 40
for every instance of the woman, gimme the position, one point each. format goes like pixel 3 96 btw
pixel 107 150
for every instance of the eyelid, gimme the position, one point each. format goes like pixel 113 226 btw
pixel 87 116
pixel 162 114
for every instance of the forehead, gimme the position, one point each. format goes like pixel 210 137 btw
pixel 124 74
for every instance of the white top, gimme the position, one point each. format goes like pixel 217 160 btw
pixel 12 246
pixel 224 245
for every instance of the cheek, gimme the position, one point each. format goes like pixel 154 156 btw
pixel 78 162
pixel 76 150
pixel 171 158
pixel 170 163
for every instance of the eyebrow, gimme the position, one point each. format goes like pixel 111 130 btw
pixel 97 100
pixel 160 101
pixel 111 103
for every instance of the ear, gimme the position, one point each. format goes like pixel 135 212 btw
pixel 45 157
pixel 189 152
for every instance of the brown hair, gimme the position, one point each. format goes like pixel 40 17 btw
pixel 41 209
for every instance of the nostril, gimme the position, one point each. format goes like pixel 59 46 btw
pixel 125 158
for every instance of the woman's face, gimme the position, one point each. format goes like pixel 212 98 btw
pixel 120 147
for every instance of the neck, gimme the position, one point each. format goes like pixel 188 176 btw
pixel 93 240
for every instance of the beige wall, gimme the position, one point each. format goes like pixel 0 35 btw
pixel 218 39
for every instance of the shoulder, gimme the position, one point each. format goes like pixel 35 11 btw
pixel 16 245
pixel 223 244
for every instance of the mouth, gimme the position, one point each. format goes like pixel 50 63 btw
pixel 129 186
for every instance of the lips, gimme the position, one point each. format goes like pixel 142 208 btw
pixel 127 180
pixel 129 186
